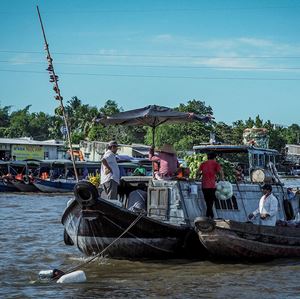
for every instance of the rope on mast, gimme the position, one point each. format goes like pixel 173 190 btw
pixel 58 97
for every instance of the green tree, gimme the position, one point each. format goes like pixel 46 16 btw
pixel 105 133
pixel 238 128
pixel 223 133
pixel 184 136
pixel 292 134
pixel 4 120
pixel 80 117
pixel 19 123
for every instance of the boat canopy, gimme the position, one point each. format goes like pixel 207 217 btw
pixel 228 148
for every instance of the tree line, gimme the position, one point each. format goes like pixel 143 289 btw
pixel 43 126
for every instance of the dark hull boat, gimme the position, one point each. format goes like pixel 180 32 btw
pixel 242 240
pixel 24 186
pixel 94 225
pixel 57 176
pixel 60 186
pixel 6 186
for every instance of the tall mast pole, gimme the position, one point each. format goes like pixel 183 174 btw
pixel 58 97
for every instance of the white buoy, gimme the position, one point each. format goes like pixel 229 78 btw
pixel 76 276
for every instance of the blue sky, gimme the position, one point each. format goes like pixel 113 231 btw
pixel 241 57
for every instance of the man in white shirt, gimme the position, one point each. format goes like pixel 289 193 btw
pixel 110 173
pixel 268 207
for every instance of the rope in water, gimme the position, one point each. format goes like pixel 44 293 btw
pixel 105 249
pixel 139 239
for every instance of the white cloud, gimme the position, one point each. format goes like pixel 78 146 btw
pixel 21 59
pixel 163 38
pixel 240 52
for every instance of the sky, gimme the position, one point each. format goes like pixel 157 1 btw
pixel 240 57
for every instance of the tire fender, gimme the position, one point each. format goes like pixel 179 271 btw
pixel 204 224
pixel 86 194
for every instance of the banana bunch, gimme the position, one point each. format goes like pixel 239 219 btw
pixel 228 168
pixel 94 179
pixel 193 162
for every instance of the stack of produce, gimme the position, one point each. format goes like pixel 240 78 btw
pixel 228 169
pixel 94 179
pixel 193 162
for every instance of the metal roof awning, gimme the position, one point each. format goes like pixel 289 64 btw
pixel 228 148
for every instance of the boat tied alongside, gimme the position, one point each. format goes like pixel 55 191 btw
pixel 228 239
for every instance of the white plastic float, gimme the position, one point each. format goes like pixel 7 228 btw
pixel 76 276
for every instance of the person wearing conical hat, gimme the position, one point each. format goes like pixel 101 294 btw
pixel 167 159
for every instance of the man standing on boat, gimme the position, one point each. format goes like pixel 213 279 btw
pixel 110 172
pixel 268 207
pixel 209 170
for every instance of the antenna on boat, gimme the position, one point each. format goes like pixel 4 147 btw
pixel 58 97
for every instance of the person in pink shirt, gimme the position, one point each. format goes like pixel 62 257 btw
pixel 209 170
pixel 167 160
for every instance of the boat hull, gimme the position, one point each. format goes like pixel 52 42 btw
pixel 54 186
pixel 7 187
pixel 98 229
pixel 237 240
pixel 23 187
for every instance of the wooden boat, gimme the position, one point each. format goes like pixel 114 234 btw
pixel 164 230
pixel 54 186
pixel 57 176
pixel 24 186
pixel 22 174
pixel 167 228
pixel 244 240
pixel 5 183
pixel 6 186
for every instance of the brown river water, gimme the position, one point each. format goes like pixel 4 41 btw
pixel 31 240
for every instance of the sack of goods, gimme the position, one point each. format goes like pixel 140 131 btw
pixel 224 190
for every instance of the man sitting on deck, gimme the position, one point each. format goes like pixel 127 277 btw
pixel 268 207
pixel 137 198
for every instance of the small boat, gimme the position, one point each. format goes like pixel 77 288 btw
pixel 167 228
pixel 6 186
pixel 58 175
pixel 5 178
pixel 54 186
pixel 163 230
pixel 24 186
pixel 230 239
pixel 22 174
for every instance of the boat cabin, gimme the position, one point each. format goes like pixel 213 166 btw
pixel 63 169
pixel 250 158
pixel 181 200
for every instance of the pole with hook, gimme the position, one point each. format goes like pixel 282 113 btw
pixel 54 80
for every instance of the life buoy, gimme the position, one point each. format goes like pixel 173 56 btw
pixel 204 224
pixel 288 209
pixel 67 239
pixel 86 194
